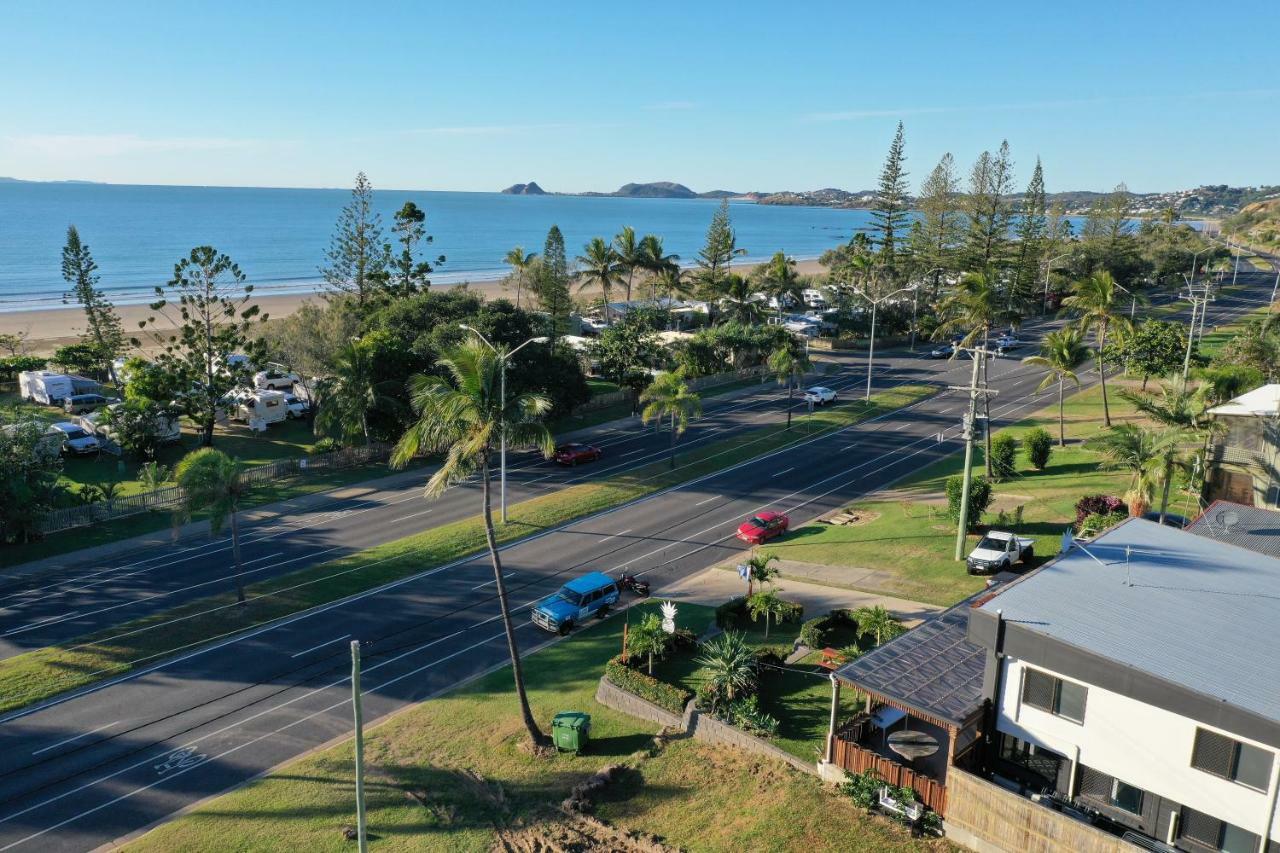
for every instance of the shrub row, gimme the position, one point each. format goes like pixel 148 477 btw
pixel 666 696
pixel 733 613
pixel 813 633
pixel 11 366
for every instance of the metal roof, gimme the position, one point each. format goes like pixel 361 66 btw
pixel 1260 402
pixel 1251 527
pixel 933 669
pixel 1188 609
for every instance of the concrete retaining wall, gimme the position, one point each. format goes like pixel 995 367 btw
pixel 612 696
pixel 699 726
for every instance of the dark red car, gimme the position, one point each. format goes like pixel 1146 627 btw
pixel 572 454
pixel 762 527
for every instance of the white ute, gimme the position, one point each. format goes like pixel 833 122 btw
pixel 997 552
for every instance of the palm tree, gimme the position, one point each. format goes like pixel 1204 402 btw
pixel 1138 450
pixel 213 481
pixel 351 392
pixel 464 418
pixel 735 300
pixel 647 638
pixel 974 309
pixel 766 603
pixel 671 282
pixel 1060 354
pixel 1095 301
pixel 759 570
pixel 600 266
pixel 629 254
pixel 669 396
pixel 780 279
pixel 655 261
pixel 1183 413
pixel 878 622
pixel 788 363
pixel 729 663
pixel 520 264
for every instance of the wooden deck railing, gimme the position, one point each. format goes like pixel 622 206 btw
pixel 857 759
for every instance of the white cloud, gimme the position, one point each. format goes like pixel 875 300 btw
pixel 90 146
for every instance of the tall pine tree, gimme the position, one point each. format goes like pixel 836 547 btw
pixel 889 216
pixel 408 274
pixel 357 256
pixel 103 332
pixel 550 282
pixel 718 252
pixel 988 210
pixel 1033 232
pixel 935 242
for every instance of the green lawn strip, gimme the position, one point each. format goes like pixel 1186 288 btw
pixel 602 386
pixel 910 542
pixel 448 773
pixel 621 410
pixel 40 674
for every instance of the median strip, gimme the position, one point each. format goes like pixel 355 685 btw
pixel 42 674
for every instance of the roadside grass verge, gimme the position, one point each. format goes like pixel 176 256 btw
pixel 451 774
pixel 909 543
pixel 44 673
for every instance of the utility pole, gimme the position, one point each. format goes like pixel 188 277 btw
pixel 361 833
pixel 1196 302
pixel 969 422
pixel 1274 287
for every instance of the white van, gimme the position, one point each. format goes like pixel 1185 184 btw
pixel 52 389
pixel 168 428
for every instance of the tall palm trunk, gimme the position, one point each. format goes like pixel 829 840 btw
pixel 1062 425
pixel 673 441
pixel 1168 481
pixel 235 554
pixel 1102 374
pixel 517 669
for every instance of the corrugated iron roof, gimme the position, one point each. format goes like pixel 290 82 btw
pixel 1249 527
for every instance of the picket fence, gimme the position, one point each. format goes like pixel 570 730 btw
pixel 171 497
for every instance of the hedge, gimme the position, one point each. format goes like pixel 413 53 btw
pixel 11 366
pixel 813 633
pixel 645 686
pixel 733 613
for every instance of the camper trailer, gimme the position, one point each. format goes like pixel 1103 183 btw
pixel 168 428
pixel 260 408
pixel 52 389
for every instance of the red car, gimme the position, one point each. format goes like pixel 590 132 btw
pixel 572 454
pixel 762 527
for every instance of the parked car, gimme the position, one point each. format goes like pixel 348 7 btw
pixel 1004 343
pixel 76 440
pixel 578 600
pixel 814 298
pixel 819 395
pixel 274 380
pixel 593 326
pixel 82 404
pixel 298 407
pixel 943 351
pixel 762 527
pixel 997 552
pixel 573 453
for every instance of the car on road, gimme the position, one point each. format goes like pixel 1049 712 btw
pixel 819 395
pixel 578 600
pixel 1004 343
pixel 75 439
pixel 942 351
pixel 763 526
pixel 573 453
pixel 997 552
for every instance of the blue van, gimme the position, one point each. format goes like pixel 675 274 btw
pixel 576 601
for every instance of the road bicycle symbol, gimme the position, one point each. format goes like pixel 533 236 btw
pixel 180 759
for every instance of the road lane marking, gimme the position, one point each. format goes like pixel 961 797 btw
pixel 708 500
pixel 74 738
pixel 490 583
pixel 321 645
pixel 784 471
pixel 633 452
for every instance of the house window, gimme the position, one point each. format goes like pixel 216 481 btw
pixel 1229 758
pixel 1216 834
pixel 1061 698
pixel 1126 796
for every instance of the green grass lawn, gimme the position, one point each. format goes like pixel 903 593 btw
pixel 602 386
pixel 910 541
pixel 451 774
pixel 43 673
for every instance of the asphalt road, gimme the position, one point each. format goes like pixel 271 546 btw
pixel 110 760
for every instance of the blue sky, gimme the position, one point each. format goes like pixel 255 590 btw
pixel 741 96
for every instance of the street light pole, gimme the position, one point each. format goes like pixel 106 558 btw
pixel 1274 287
pixel 875 304
pixel 504 356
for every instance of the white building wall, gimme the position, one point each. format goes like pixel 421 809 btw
pixel 1139 744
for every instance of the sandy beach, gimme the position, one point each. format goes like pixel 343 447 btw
pixel 47 329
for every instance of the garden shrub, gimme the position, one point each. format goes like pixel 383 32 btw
pixel 773 655
pixel 645 686
pixel 1098 505
pixel 746 715
pixel 1004 453
pixel 813 633
pixel 683 639
pixel 733 613
pixel 979 498
pixel 328 444
pixel 1096 522
pixel 1039 444
pixel 11 366
pixel 863 788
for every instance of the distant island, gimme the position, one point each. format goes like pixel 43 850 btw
pixel 530 188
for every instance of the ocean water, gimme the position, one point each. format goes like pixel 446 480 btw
pixel 278 236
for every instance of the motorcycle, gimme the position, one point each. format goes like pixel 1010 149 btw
pixel 631 583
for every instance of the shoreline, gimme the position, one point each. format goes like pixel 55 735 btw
pixel 46 329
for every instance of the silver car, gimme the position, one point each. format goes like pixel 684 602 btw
pixel 75 439
pixel 819 395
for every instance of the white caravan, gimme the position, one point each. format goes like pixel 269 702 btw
pixel 261 408
pixel 51 389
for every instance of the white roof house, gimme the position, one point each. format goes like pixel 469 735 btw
pixel 1259 403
